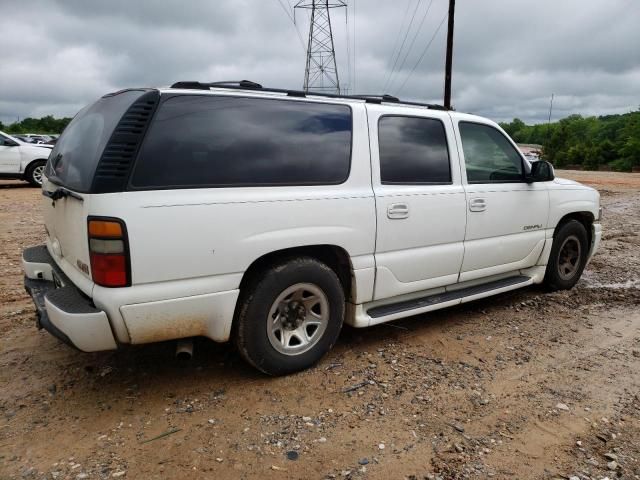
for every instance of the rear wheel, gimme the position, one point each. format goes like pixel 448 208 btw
pixel 35 173
pixel 568 256
pixel 290 316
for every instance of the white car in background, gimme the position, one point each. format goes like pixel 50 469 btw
pixel 21 160
pixel 38 138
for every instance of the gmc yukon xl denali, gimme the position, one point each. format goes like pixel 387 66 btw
pixel 271 217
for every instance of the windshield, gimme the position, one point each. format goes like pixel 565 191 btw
pixel 74 158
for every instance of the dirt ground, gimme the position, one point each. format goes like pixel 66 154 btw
pixel 523 385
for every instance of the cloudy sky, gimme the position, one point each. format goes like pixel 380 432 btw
pixel 509 57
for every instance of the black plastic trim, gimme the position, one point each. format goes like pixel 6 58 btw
pixel 12 176
pixel 194 85
pixel 384 310
pixel 40 254
pixel 68 299
pixel 117 159
pixel 38 289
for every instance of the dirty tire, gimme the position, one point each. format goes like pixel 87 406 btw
pixel 555 277
pixel 33 175
pixel 254 320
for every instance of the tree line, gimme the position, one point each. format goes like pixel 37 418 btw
pixel 42 125
pixel 611 141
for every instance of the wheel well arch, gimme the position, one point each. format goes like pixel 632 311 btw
pixel 585 218
pixel 337 258
pixel 28 165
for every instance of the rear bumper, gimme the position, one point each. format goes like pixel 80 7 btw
pixel 61 308
pixel 138 314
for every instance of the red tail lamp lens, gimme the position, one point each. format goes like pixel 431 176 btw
pixel 108 253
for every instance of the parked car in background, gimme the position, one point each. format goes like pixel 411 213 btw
pixel 531 151
pixel 22 160
pixel 271 217
pixel 24 138
pixel 38 138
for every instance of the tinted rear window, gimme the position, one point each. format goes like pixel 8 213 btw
pixel 74 158
pixel 413 151
pixel 211 141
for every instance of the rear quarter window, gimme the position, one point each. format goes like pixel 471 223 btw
pixel 73 160
pixel 218 141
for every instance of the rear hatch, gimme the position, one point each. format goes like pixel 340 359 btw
pixel 70 181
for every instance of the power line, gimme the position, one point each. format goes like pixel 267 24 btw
pixel 304 48
pixel 406 34
pixel 423 53
pixel 395 44
pixel 413 41
pixel 285 10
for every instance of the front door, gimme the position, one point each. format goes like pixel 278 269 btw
pixel 506 217
pixel 420 200
pixel 9 155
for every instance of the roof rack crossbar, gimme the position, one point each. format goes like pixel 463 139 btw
pixel 249 85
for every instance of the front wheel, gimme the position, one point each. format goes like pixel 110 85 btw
pixel 290 316
pixel 35 173
pixel 568 256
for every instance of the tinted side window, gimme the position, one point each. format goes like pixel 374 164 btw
pixel 489 156
pixel 198 141
pixel 74 158
pixel 413 151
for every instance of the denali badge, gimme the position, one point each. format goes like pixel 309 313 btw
pixel 83 267
pixel 532 227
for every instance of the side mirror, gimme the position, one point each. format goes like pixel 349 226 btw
pixel 541 171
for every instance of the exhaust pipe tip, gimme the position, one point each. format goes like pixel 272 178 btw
pixel 184 349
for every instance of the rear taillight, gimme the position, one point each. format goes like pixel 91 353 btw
pixel 109 252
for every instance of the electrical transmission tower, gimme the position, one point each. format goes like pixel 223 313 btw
pixel 321 71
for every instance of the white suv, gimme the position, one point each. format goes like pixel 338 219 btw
pixel 270 217
pixel 21 160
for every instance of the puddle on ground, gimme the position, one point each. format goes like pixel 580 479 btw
pixel 615 286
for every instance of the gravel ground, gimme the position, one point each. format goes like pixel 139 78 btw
pixel 523 385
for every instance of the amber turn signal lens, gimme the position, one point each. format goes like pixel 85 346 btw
pixel 105 229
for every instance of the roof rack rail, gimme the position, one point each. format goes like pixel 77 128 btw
pixel 249 85
pixel 239 83
pixel 376 98
pixel 244 84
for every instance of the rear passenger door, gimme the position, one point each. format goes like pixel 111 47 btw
pixel 420 200
pixel 506 217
